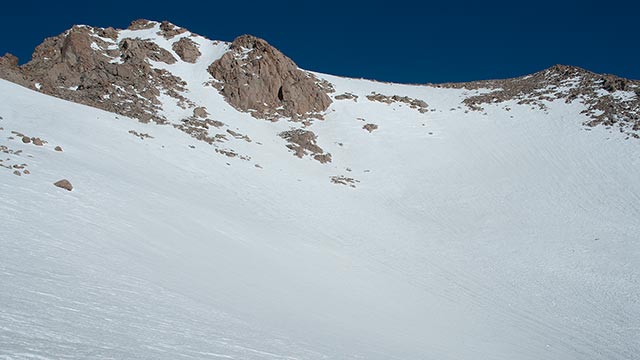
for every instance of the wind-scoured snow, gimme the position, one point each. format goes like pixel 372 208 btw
pixel 470 235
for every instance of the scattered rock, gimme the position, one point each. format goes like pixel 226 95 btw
pixel 303 142
pixel 142 136
pixel 18 173
pixel 64 184
pixel 343 180
pixel 58 148
pixel 26 139
pixel 238 135
pixel 26 172
pixel 347 96
pixel 227 152
pixel 199 129
pixel 36 141
pixel 370 127
pixel 417 104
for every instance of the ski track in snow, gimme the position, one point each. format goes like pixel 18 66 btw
pixel 510 235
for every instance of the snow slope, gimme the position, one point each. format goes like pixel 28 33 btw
pixel 470 235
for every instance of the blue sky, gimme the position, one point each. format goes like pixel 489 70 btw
pixel 410 42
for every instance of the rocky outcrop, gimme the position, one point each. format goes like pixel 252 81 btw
pixel 187 49
pixel 9 69
pixel 86 65
pixel 257 78
pixel 168 30
pixel 141 24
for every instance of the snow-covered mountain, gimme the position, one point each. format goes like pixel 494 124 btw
pixel 226 204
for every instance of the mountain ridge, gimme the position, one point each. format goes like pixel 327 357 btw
pixel 24 75
pixel 400 222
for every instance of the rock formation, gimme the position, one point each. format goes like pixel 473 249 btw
pixel 255 77
pixel 87 65
pixel 187 49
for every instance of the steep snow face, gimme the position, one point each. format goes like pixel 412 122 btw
pixel 435 231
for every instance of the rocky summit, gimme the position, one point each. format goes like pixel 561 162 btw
pixel 169 196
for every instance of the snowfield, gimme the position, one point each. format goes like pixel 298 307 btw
pixel 469 235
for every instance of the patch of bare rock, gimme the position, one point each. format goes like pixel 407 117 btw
pixel 343 180
pixel 29 140
pixel 347 96
pixel 303 142
pixel 238 136
pixel 370 127
pixel 142 136
pixel 199 128
pixel 255 77
pixel 417 104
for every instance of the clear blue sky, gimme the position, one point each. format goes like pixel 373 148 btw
pixel 411 42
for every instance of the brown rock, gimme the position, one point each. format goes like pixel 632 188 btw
pixel 9 60
pixel 58 148
pixel 303 142
pixel 200 112
pixel 141 24
pixel 64 184
pixel 347 96
pixel 323 158
pixel 81 67
pixel 26 172
pixel 36 141
pixel 187 49
pixel 140 50
pixel 370 127
pixel 168 30
pixel 253 75
pixel 109 33
pixel 10 71
pixel 17 173
pixel 26 139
